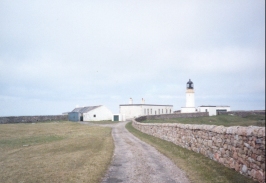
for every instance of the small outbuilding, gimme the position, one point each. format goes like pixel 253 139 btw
pixel 90 113
pixel 213 110
pixel 118 117
pixel 74 116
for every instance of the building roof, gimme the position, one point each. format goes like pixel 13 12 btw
pixel 214 106
pixel 85 109
pixel 144 105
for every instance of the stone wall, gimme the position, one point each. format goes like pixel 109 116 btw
pixel 239 148
pixel 171 116
pixel 245 113
pixel 32 119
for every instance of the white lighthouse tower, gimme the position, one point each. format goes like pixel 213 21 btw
pixel 190 100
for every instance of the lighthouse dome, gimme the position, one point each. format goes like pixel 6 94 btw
pixel 190 84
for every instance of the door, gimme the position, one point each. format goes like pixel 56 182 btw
pixel 116 117
pixel 220 111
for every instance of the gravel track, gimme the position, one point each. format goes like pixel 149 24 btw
pixel 134 161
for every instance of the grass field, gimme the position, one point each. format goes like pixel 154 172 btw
pixel 199 168
pixel 54 152
pixel 225 120
pixel 103 122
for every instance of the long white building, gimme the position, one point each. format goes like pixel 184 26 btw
pixel 131 110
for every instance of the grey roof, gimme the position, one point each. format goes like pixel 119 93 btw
pixel 214 106
pixel 144 105
pixel 85 109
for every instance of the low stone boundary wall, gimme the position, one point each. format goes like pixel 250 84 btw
pixel 171 116
pixel 244 113
pixel 32 119
pixel 239 148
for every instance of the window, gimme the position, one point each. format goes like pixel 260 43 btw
pixel 151 111
pixel 144 111
pixel 206 110
pixel 162 111
pixel 158 111
pixel 170 111
pixel 155 112
pixel 94 115
pixel 166 111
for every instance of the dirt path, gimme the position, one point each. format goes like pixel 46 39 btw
pixel 137 162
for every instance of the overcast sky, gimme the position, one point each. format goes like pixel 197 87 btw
pixel 55 55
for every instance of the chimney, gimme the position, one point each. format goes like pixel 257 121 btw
pixel 130 101
pixel 143 101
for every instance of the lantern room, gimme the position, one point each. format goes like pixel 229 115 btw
pixel 190 84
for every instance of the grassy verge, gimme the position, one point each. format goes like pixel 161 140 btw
pixel 225 120
pixel 54 152
pixel 199 168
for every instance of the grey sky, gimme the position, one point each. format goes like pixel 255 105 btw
pixel 55 55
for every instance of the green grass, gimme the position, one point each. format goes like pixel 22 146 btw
pixel 225 120
pixel 103 122
pixel 199 168
pixel 29 141
pixel 54 152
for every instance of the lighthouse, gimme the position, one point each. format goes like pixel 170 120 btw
pixel 190 100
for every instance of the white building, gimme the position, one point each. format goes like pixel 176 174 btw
pixel 90 113
pixel 190 99
pixel 213 110
pixel 118 117
pixel 135 110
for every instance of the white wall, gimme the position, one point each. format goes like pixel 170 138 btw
pixel 188 109
pixel 130 111
pixel 99 114
pixel 190 100
pixel 212 109
pixel 156 110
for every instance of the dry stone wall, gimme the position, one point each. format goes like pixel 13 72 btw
pixel 32 119
pixel 245 113
pixel 239 148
